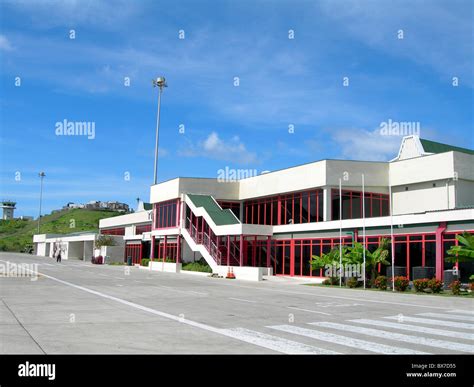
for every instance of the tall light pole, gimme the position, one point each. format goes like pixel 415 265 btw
pixel 364 245
pixel 161 83
pixel 41 175
pixel 340 232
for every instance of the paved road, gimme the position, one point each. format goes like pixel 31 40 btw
pixel 76 307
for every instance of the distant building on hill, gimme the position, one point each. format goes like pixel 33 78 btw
pixel 8 208
pixel 99 205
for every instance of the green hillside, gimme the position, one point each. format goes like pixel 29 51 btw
pixel 16 234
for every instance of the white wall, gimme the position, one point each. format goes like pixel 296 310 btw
pixel 75 250
pixel 422 169
pixel 125 220
pixel 115 253
pixel 423 197
pixel 291 179
pixel 464 193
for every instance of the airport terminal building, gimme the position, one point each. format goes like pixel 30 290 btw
pixel 273 223
pixel 278 220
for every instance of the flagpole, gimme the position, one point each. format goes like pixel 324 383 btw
pixel 363 223
pixel 340 232
pixel 391 231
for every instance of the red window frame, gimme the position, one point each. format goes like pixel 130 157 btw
pixel 142 228
pixel 113 231
pixel 372 198
pixel 279 214
pixel 165 210
pixel 135 251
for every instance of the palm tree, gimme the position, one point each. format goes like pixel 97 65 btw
pixel 464 252
pixel 328 259
pixel 355 254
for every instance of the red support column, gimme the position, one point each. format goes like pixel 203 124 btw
pixel 165 248
pixel 228 250
pixel 408 257
pixel 152 248
pixel 178 249
pixel 241 245
pixel 269 239
pixel 439 250
pixel 254 251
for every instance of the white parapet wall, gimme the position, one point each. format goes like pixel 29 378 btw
pixel 167 267
pixel 245 273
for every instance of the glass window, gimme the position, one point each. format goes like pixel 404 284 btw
pixel 304 207
pixel 320 212
pixel 356 205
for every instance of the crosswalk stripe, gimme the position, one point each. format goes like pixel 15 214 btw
pixel 448 316
pixel 470 312
pixel 274 343
pixel 416 328
pixel 452 324
pixel 344 340
pixel 398 336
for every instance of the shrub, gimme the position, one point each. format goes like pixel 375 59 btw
pixel 381 282
pixel 334 280
pixel 471 279
pixel 421 284
pixel 327 282
pixel 197 266
pixel 455 287
pixel 435 285
pixel 352 282
pixel 145 261
pixel 167 260
pixel 401 283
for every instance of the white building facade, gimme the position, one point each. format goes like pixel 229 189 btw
pixel 276 222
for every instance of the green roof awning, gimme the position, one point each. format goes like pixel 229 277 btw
pixel 218 215
pixel 438 147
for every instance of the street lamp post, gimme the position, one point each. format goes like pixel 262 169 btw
pixel 41 175
pixel 161 83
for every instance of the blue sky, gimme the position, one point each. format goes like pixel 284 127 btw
pixel 283 82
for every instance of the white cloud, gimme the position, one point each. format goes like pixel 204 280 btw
pixel 232 150
pixel 362 144
pixel 5 43
pixel 437 34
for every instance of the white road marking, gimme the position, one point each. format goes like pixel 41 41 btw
pixel 309 310
pixel 405 304
pixel 470 312
pixel 182 291
pixel 275 343
pixel 334 305
pixel 427 321
pixel 452 346
pixel 234 334
pixel 344 340
pixel 448 316
pixel 241 299
pixel 416 328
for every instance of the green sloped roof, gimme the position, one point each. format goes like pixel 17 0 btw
pixel 218 215
pixel 438 147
